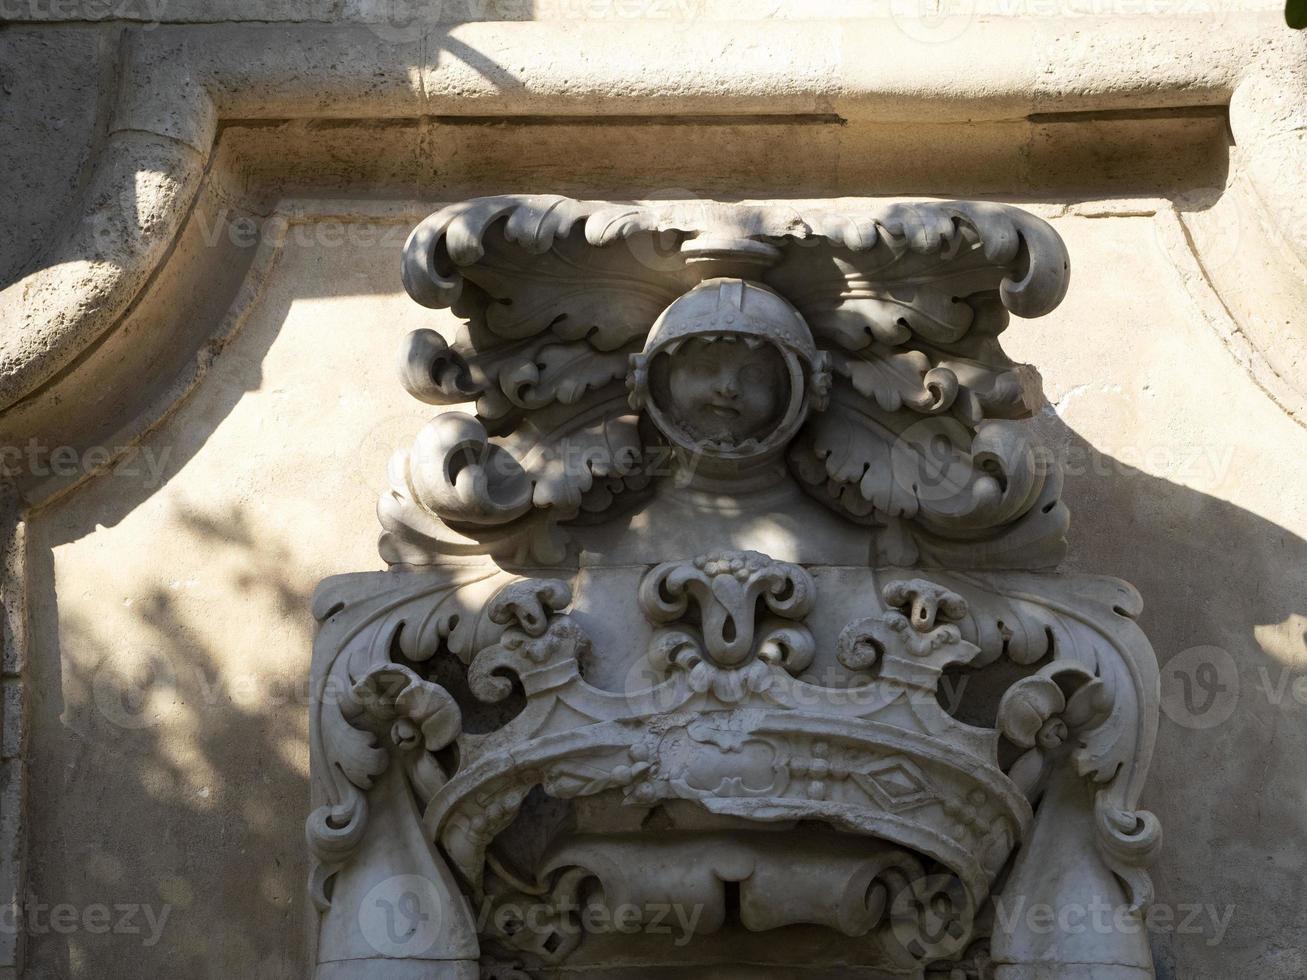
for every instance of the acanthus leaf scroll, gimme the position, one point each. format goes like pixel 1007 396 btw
pixel 904 305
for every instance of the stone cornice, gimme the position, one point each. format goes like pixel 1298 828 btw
pixel 179 83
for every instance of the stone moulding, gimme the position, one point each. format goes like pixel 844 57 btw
pixel 592 683
pixel 178 84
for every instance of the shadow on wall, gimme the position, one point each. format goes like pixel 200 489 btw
pixel 1225 607
pixel 167 805
pixel 177 797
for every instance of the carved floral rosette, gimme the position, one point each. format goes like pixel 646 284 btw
pixel 458 690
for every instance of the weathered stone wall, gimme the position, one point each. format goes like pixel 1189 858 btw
pixel 228 433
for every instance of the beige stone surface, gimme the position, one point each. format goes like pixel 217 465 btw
pixel 169 624
pixel 190 598
pixel 50 162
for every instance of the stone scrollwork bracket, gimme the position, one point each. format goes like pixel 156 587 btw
pixel 791 705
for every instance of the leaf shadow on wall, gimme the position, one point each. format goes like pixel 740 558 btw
pixel 171 784
pixel 179 788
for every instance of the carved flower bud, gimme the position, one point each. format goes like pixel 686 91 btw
pixel 924 603
pixel 1052 733
pixel 820 381
pixel 528 604
pixel 404 734
pixel 1026 706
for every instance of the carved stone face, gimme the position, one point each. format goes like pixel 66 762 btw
pixel 725 389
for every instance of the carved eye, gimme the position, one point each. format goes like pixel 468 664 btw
pixel 756 374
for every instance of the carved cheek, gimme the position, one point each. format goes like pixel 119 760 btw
pixel 760 386
pixel 756 400
pixel 689 389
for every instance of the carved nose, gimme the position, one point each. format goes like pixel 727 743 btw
pixel 726 387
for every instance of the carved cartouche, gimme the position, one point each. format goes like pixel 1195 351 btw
pixel 730 592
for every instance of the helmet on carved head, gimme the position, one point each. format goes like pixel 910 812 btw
pixel 730 369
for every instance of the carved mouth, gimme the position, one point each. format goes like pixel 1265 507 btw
pixel 724 411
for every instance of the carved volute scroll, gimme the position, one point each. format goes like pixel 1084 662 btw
pixel 724 582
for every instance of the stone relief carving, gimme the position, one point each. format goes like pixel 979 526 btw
pixel 676 609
